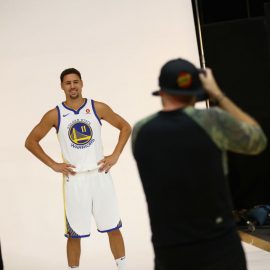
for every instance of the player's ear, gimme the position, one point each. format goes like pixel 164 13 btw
pixel 82 82
pixel 61 85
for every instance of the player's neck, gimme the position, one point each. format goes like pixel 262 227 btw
pixel 75 104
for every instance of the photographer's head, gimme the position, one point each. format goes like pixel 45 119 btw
pixel 179 82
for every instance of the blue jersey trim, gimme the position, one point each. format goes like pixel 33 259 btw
pixel 94 110
pixel 116 228
pixel 70 109
pixel 76 236
pixel 59 119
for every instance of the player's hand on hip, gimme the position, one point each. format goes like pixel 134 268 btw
pixel 64 168
pixel 107 162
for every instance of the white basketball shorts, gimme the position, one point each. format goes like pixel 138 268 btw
pixel 86 194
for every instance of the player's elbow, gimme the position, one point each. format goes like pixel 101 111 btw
pixel 29 143
pixel 127 128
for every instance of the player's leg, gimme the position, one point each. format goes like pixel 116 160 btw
pixel 116 244
pixel 73 252
pixel 118 248
pixel 78 206
pixel 106 214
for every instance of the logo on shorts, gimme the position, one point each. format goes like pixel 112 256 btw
pixel 80 133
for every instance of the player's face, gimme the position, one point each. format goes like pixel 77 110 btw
pixel 72 86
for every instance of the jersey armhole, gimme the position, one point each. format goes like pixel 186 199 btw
pixel 58 120
pixel 94 110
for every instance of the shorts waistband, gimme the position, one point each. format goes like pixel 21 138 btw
pixel 86 170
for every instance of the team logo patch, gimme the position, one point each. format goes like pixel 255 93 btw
pixel 87 111
pixel 80 133
pixel 184 80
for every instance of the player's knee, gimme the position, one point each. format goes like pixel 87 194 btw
pixel 74 240
pixel 114 233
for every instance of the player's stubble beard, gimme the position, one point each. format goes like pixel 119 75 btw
pixel 74 97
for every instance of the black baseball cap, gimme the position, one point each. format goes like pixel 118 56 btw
pixel 180 77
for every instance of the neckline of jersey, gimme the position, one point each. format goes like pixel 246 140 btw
pixel 75 111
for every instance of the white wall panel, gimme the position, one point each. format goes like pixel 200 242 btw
pixel 119 47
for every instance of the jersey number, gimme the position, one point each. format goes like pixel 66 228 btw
pixel 83 128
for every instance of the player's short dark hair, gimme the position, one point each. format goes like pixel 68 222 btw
pixel 69 71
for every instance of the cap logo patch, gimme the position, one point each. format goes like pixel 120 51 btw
pixel 184 80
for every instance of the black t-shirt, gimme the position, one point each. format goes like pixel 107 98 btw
pixel 182 175
pixel 182 161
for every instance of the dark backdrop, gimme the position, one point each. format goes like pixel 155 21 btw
pixel 235 35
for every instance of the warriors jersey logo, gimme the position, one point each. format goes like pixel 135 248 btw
pixel 80 133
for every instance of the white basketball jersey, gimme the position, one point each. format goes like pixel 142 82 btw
pixel 79 134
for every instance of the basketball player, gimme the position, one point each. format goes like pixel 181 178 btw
pixel 181 157
pixel 88 186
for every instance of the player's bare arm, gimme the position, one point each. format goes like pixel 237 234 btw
pixel 106 113
pixel 48 121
